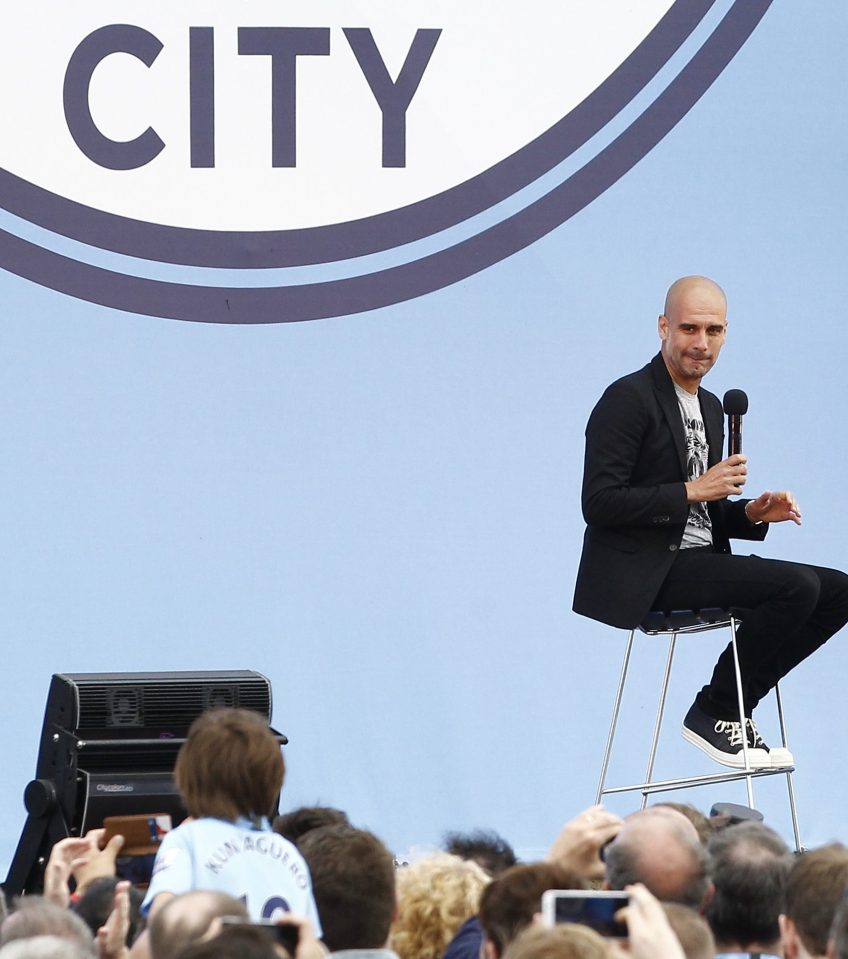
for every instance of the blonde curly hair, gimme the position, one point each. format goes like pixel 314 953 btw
pixel 435 897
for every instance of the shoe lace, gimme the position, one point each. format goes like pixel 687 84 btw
pixel 732 730
pixel 755 735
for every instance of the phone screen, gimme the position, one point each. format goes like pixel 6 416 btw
pixel 589 908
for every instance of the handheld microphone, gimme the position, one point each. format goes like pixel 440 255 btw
pixel 735 406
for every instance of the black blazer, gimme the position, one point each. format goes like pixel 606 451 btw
pixel 634 498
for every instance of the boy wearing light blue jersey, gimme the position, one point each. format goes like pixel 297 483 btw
pixel 229 773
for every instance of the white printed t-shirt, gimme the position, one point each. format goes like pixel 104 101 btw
pixel 699 526
pixel 253 864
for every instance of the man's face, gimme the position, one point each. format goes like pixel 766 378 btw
pixel 692 335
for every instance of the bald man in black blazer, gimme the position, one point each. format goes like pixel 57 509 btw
pixel 659 522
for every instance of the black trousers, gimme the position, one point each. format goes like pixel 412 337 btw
pixel 787 609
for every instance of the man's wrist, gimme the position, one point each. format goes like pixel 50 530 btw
pixel 751 520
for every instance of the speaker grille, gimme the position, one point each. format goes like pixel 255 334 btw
pixel 171 705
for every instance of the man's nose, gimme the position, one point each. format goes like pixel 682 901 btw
pixel 700 341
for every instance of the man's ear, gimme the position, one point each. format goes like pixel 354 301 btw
pixel 788 937
pixel 488 950
pixel 662 326
pixel 708 898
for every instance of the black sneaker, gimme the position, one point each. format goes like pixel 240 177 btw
pixel 779 756
pixel 721 740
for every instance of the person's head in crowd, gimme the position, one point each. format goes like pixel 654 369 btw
pixel 45 947
pixel 704 826
pixel 484 846
pixel 98 900
pixel 353 881
pixel 295 824
pixel 750 865
pixel 692 931
pixel 36 916
pixel 837 943
pixel 187 919
pixel 436 895
pixel 510 902
pixel 233 943
pixel 566 941
pixel 230 766
pixel 660 848
pixel 815 887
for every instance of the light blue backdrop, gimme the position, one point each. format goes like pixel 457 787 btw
pixel 381 513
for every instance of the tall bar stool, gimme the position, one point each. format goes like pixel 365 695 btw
pixel 672 625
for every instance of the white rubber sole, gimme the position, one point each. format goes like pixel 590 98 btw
pixel 758 758
pixel 780 758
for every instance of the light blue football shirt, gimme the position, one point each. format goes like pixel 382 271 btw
pixel 247 861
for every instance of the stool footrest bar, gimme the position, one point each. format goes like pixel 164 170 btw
pixel 669 784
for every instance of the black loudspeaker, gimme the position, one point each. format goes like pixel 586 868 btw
pixel 108 747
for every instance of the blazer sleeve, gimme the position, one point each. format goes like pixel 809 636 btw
pixel 631 475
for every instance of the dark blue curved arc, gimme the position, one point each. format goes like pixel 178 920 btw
pixel 363 293
pixel 342 241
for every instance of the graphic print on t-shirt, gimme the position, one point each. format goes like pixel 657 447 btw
pixel 698 530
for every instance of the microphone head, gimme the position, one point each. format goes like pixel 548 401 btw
pixel 735 403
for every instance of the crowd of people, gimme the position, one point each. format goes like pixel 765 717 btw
pixel 232 883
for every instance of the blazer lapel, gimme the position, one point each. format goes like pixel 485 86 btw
pixel 667 399
pixel 714 428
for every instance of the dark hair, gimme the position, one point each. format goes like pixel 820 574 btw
pixel 839 930
pixel 750 865
pixel 98 901
pixel 353 881
pixel 484 846
pixel 297 823
pixel 814 889
pixel 232 942
pixel 509 902
pixel 229 766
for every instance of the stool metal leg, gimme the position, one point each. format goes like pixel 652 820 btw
pixel 741 701
pixel 660 710
pixel 793 811
pixel 615 710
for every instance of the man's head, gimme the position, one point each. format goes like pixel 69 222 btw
pixel 814 889
pixel 98 901
pixel 750 866
pixel 233 943
pixel 187 919
pixel 229 766
pixel 297 823
pixel 44 947
pixel 567 941
pixel 660 848
pixel 509 902
pixel 485 847
pixel 692 931
pixel 837 944
pixel 353 881
pixel 35 916
pixel 692 328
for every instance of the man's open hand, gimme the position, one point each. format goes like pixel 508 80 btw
pixel 772 507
